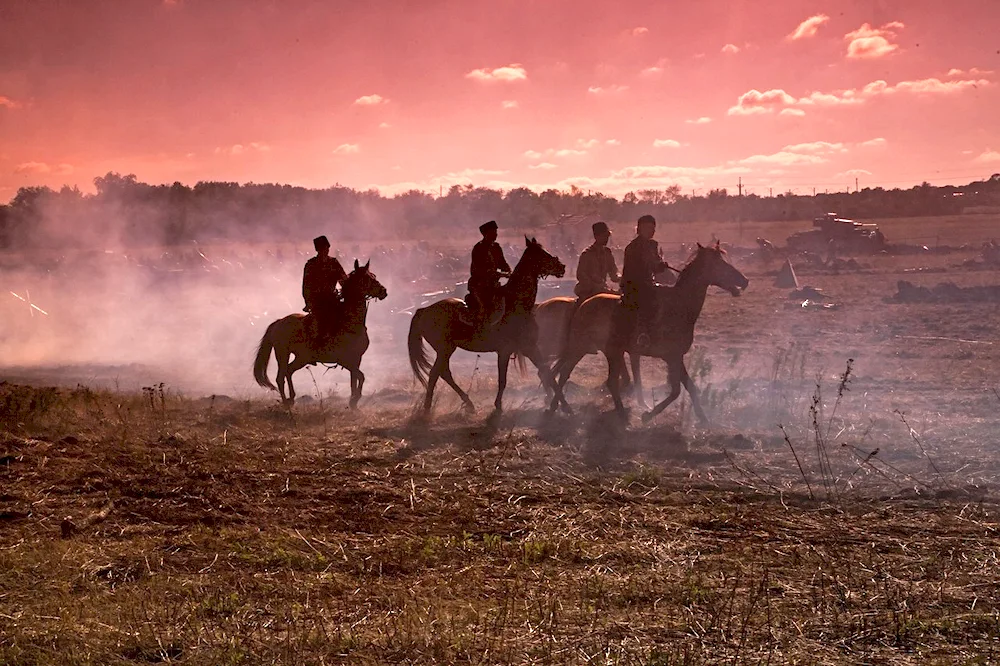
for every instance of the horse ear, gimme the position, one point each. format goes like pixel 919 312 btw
pixel 356 265
pixel 527 241
pixel 368 263
pixel 699 246
pixel 718 245
pixel 533 240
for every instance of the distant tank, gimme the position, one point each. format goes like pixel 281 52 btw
pixel 840 235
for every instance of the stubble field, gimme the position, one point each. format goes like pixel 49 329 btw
pixel 841 508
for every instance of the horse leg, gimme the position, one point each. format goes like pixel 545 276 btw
pixel 503 363
pixel 616 360
pixel 432 379
pixel 674 377
pixel 547 376
pixel 447 377
pixel 357 382
pixel 291 369
pixel 693 392
pixel 636 363
pixel 282 358
pixel 564 368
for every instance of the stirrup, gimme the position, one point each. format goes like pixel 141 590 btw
pixel 642 340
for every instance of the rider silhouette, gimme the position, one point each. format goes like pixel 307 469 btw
pixel 488 266
pixel 596 265
pixel 320 277
pixel 642 262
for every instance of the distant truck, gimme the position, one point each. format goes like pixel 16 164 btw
pixel 839 235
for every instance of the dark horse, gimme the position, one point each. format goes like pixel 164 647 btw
pixel 516 333
pixel 592 328
pixel 293 335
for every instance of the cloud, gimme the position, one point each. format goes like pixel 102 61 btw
pixel 384 125
pixel 371 100
pixel 988 156
pixel 566 152
pixel 704 120
pixel 613 142
pixel 8 103
pixel 242 149
pixel 512 72
pixel 41 168
pixel 816 147
pixel 666 143
pixel 754 102
pixel 853 173
pixel 558 152
pixel 877 141
pixel 509 104
pixel 639 31
pixel 792 112
pixel 730 49
pixel 808 27
pixel 783 158
pixel 586 144
pixel 532 154
pixel 544 165
pixel 975 71
pixel 610 90
pixel 347 149
pixel 869 42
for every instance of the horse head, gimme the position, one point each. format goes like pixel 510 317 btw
pixel 540 262
pixel 363 283
pixel 711 266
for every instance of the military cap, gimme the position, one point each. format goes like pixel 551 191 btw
pixel 320 241
pixel 492 224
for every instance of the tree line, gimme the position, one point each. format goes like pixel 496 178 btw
pixel 127 212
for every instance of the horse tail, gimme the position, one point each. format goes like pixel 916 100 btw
pixel 262 359
pixel 522 369
pixel 419 361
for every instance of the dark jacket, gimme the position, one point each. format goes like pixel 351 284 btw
pixel 319 282
pixel 487 264
pixel 642 262
pixel 596 265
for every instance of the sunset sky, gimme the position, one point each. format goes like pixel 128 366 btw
pixel 404 94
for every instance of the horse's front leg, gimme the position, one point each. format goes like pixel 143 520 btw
pixel 674 377
pixel 289 371
pixel 693 392
pixel 548 377
pixel 616 363
pixel 503 363
pixel 635 360
pixel 357 383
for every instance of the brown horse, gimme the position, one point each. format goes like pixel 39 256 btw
pixel 291 335
pixel 516 333
pixel 594 323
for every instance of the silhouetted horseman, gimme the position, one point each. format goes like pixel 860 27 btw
pixel 488 266
pixel 642 263
pixel 320 278
pixel 596 265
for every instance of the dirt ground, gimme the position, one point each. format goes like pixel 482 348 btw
pixel 842 507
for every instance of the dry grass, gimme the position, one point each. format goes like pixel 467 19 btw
pixel 140 529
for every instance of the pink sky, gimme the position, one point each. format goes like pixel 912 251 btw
pixel 401 94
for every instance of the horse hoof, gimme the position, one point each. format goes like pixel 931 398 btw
pixel 647 417
pixel 469 408
pixel 567 410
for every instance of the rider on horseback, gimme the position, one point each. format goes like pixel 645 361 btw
pixel 596 265
pixel 642 262
pixel 320 277
pixel 488 266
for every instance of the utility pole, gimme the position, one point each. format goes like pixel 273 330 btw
pixel 770 192
pixel 740 186
pixel 855 184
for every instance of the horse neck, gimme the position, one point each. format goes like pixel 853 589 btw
pixel 690 292
pixel 355 307
pixel 522 288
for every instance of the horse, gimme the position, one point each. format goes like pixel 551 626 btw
pixel 291 335
pixel 680 305
pixel 440 324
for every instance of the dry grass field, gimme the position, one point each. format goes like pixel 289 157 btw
pixel 841 508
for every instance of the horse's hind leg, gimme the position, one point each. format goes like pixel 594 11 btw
pixel 357 383
pixel 283 375
pixel 636 363
pixel 616 362
pixel 693 392
pixel 291 369
pixel 447 376
pixel 548 377
pixel 564 368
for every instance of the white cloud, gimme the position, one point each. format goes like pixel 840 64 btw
pixel 509 104
pixel 384 125
pixel 988 156
pixel 704 120
pixel 639 31
pixel 975 71
pixel 853 173
pixel 238 149
pixel 610 90
pixel 567 152
pixel 816 147
pixel 8 103
pixel 869 42
pixel 586 144
pixel 347 149
pixel 544 166
pixel 808 27
pixel 784 158
pixel 792 112
pixel 512 72
pixel 730 49
pixel 371 100
pixel 613 142
pixel 557 152
pixel 666 143
pixel 532 154
pixel 877 141
pixel 42 168
pixel 754 102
